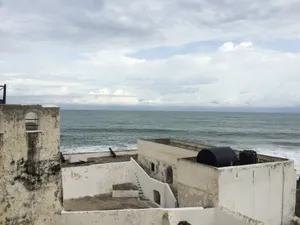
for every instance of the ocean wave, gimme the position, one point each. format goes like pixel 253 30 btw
pixel 283 153
pixel 270 150
pixel 120 130
pixel 96 148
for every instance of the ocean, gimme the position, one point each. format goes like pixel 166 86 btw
pixel 268 133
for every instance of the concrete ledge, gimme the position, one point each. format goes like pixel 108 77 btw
pixel 125 190
pixel 125 193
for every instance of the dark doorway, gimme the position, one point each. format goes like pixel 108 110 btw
pixel 156 196
pixel 169 175
pixel 152 167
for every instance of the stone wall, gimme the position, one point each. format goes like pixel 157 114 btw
pixel 30 176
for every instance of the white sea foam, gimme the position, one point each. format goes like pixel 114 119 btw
pixel 268 150
pixel 283 153
pixel 287 153
pixel 96 148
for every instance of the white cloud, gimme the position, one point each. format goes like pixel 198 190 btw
pixel 230 46
pixel 78 52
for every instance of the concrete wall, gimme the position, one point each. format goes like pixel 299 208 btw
pixel 226 216
pixel 161 152
pixel 112 217
pixel 262 191
pixel 149 184
pixel 81 181
pixel 160 169
pixel 30 177
pixel 95 179
pixel 194 216
pixel 197 184
pixel 84 156
pixel 125 193
pixel 163 156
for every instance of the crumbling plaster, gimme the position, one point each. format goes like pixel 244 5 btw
pixel 30 177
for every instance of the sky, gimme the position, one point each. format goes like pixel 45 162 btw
pixel 173 53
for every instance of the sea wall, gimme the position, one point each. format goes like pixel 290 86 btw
pixel 30 176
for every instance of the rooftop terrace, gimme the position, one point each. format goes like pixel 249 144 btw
pixel 106 202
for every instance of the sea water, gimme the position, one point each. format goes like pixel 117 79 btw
pixel 267 133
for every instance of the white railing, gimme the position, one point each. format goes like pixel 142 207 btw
pixel 149 185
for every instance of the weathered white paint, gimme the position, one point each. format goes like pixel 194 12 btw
pixel 164 153
pixel 98 179
pixel 112 217
pixel 164 156
pixel 248 189
pixel 84 156
pixel 262 191
pixel 195 216
pixel 160 169
pixel 149 184
pixel 226 216
pixel 95 179
pixel 289 191
pixel 197 184
pixel 125 193
pixel 1 123
pixel 30 178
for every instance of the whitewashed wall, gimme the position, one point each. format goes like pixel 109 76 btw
pixel 98 179
pixel 112 217
pixel 195 216
pixel 149 184
pixel 83 156
pixel 162 156
pixel 263 191
pixel 95 179
pixel 197 184
pixel 225 216
pixel 163 152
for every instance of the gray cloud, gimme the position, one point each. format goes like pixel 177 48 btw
pixel 105 23
pixel 74 48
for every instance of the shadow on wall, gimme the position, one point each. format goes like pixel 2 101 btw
pixel 297 210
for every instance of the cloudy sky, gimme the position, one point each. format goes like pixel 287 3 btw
pixel 200 53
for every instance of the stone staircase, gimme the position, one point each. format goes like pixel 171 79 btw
pixel 141 193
